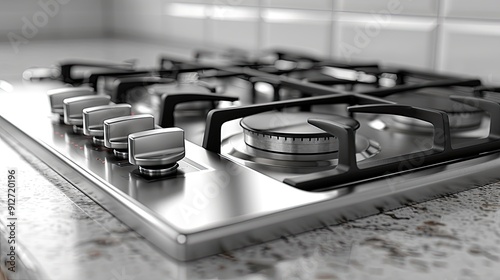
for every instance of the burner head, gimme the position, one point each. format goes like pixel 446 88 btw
pixel 461 116
pixel 289 133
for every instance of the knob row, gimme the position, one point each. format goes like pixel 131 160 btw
pixel 134 137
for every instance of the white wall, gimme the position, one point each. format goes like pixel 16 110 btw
pixel 41 19
pixel 457 36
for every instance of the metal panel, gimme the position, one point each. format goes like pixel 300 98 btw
pixel 217 205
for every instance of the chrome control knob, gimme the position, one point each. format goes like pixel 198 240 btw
pixel 117 130
pixel 57 96
pixel 157 152
pixel 73 109
pixel 93 119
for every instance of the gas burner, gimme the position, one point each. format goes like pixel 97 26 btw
pixel 288 133
pixel 286 139
pixel 293 163
pixel 462 116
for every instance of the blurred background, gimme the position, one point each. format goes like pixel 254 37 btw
pixel 456 36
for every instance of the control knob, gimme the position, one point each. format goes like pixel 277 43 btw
pixel 73 109
pixel 157 152
pixel 57 96
pixel 93 119
pixel 117 130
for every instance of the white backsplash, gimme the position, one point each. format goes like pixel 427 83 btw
pixel 40 19
pixel 457 36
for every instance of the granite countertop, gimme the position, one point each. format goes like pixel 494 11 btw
pixel 62 234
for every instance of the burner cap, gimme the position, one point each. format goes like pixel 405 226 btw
pixel 290 133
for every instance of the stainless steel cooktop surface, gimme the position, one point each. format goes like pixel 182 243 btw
pixel 253 170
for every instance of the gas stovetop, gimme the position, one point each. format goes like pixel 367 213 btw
pixel 202 156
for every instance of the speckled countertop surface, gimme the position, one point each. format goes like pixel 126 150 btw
pixel 65 235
